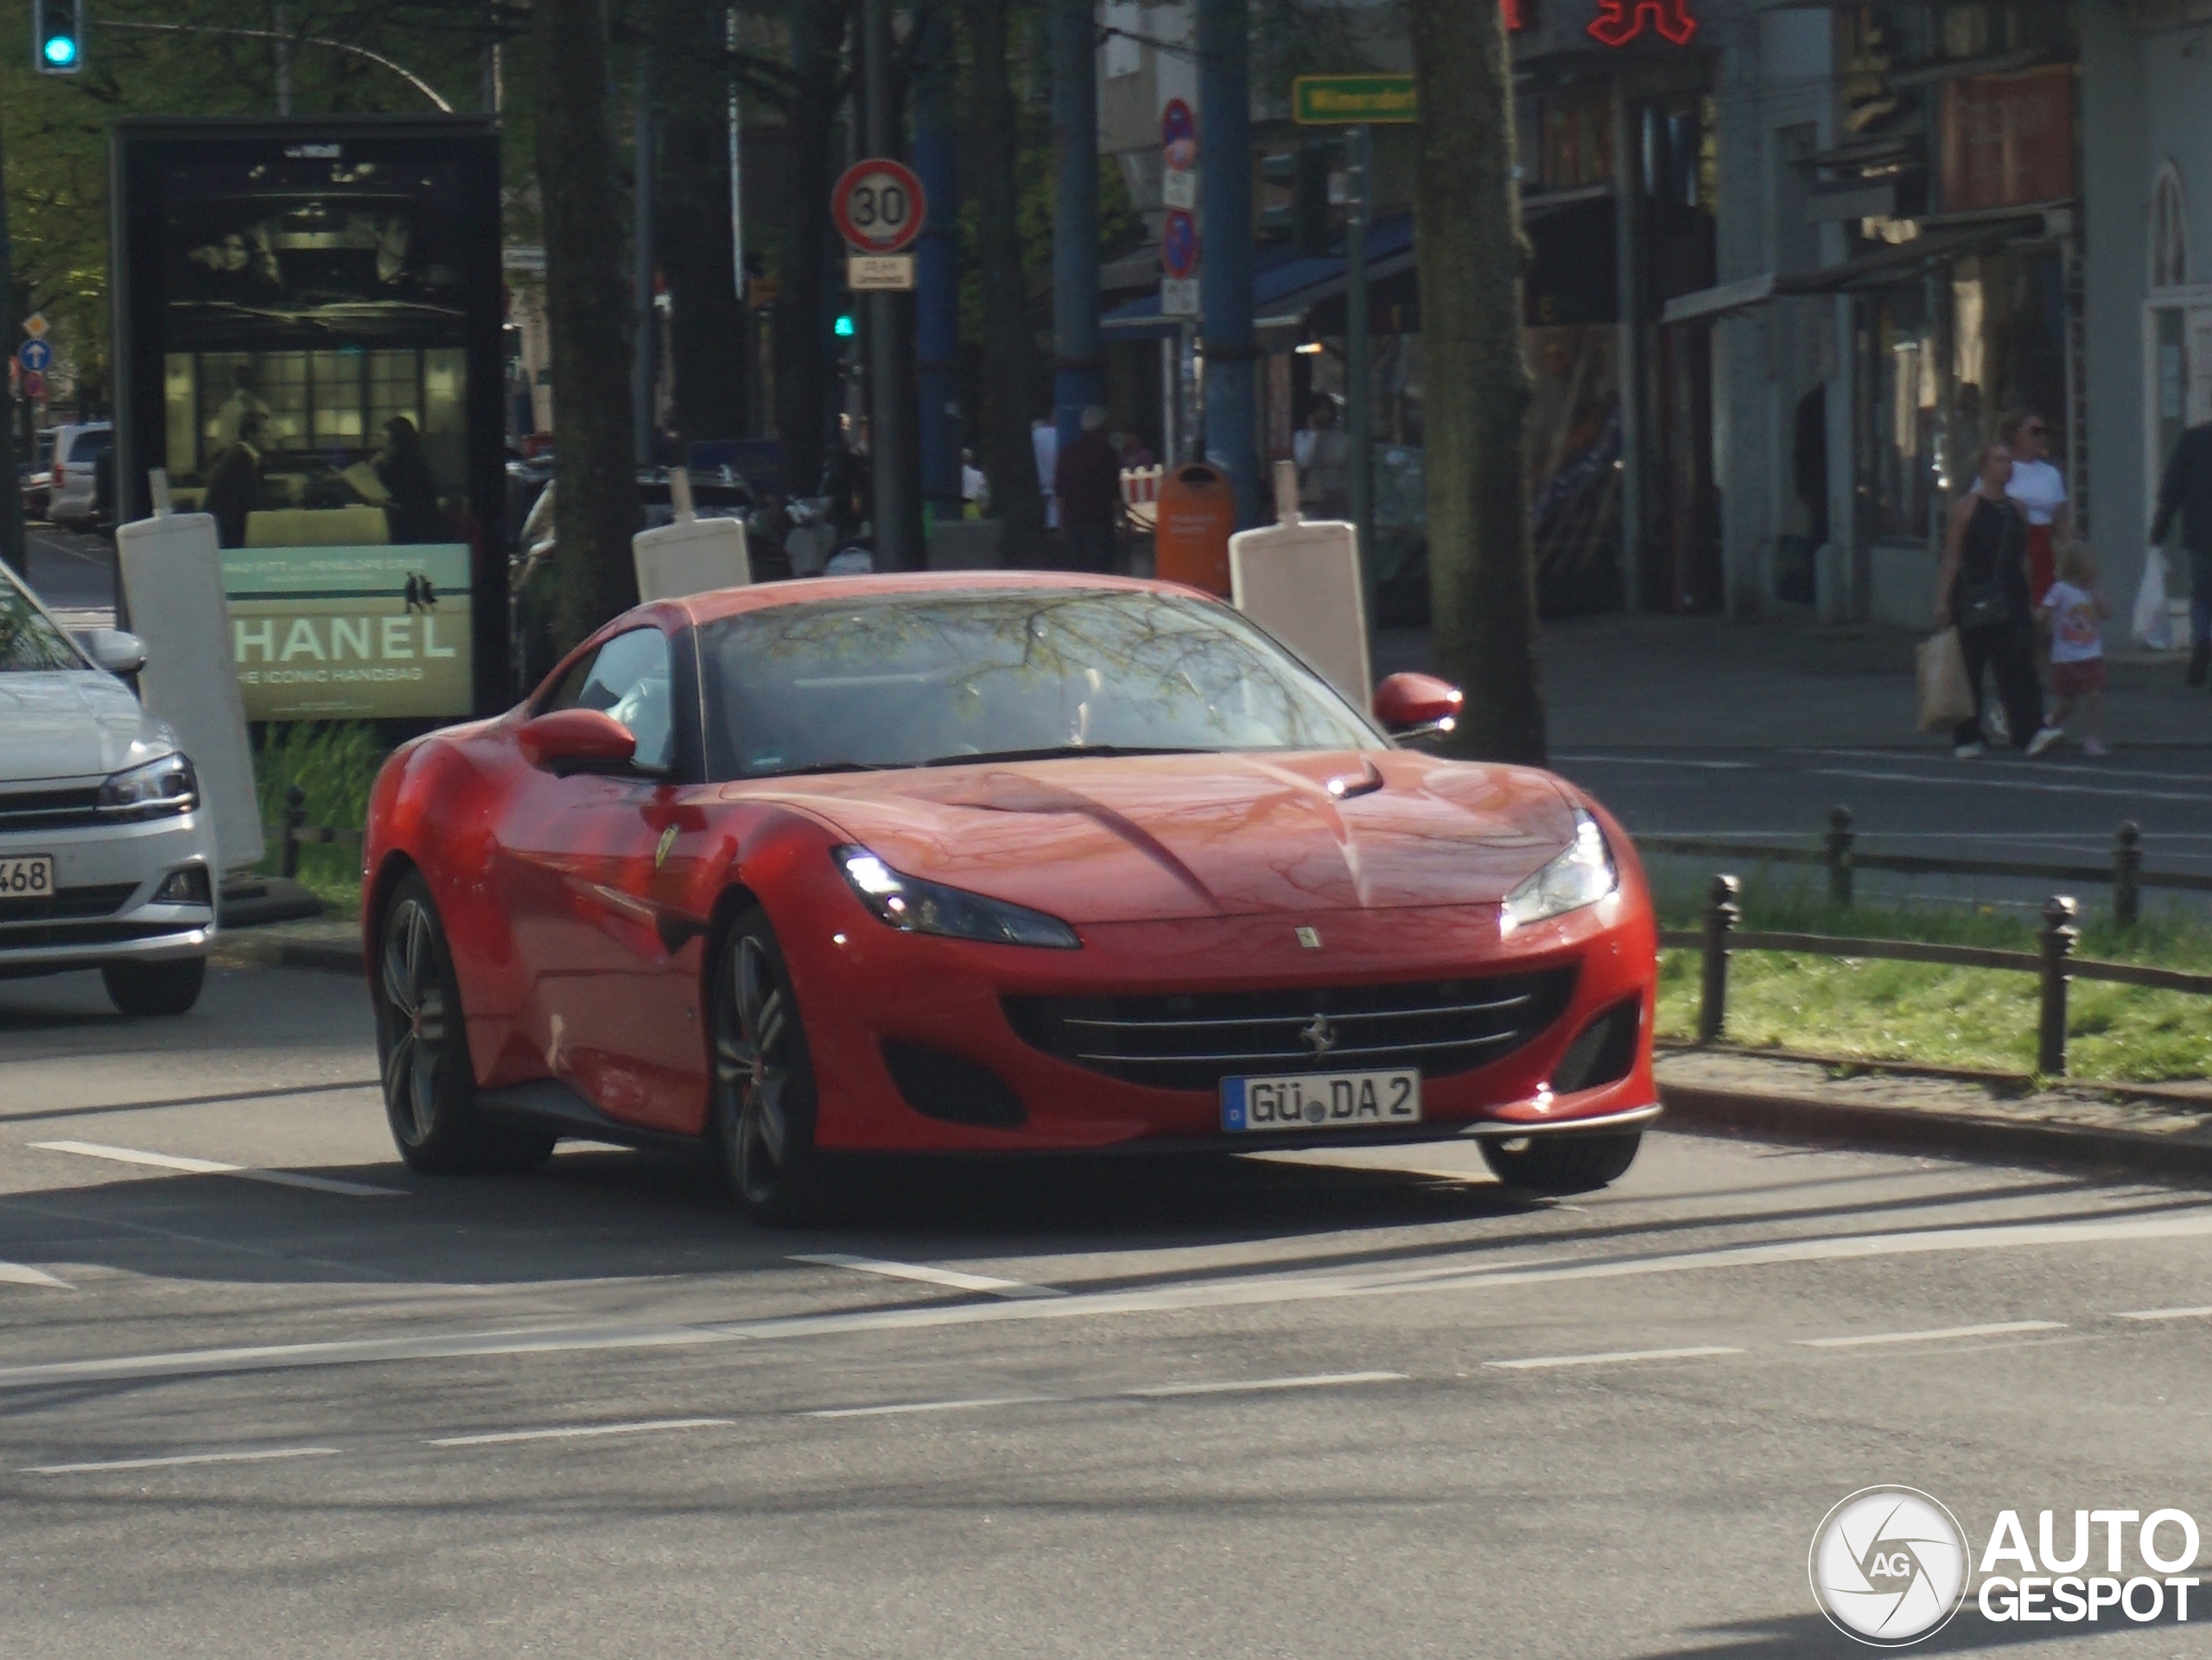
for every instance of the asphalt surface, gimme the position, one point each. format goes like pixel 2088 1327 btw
pixel 70 570
pixel 1362 1404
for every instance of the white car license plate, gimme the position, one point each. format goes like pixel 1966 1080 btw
pixel 27 876
pixel 1320 1101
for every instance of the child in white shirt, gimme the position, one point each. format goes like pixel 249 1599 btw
pixel 2074 612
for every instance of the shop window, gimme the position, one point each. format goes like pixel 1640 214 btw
pixel 2007 141
pixel 2169 231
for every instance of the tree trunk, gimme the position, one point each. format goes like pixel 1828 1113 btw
pixel 1476 385
pixel 1010 368
pixel 707 327
pixel 587 316
pixel 802 376
pixel 12 551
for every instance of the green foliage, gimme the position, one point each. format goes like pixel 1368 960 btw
pixel 1861 1009
pixel 335 765
pixel 1121 227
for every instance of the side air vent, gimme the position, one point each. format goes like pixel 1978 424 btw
pixel 952 1087
pixel 1604 1050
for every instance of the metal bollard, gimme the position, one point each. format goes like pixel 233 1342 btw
pixel 2057 944
pixel 1721 912
pixel 1839 839
pixel 295 818
pixel 2126 863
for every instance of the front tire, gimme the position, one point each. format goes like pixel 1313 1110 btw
pixel 154 989
pixel 429 1083
pixel 1556 1165
pixel 764 1086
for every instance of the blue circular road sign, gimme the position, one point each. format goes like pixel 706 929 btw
pixel 34 356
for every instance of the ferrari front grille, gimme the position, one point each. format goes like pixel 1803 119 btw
pixel 1193 1041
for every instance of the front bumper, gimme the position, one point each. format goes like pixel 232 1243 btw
pixel 861 986
pixel 103 910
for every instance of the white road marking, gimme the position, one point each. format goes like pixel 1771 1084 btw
pixel 2000 1329
pixel 1992 782
pixel 17 1273
pixel 211 1167
pixel 1258 1385
pixel 1619 1356
pixel 925 1274
pixel 1246 1291
pixel 182 1459
pixel 901 1409
pixel 2164 1313
pixel 1660 760
pixel 579 1432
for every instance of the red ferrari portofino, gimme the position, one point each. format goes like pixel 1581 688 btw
pixel 985 862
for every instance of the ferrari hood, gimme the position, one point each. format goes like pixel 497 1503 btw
pixel 1158 837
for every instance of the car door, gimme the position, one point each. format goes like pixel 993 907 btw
pixel 612 1003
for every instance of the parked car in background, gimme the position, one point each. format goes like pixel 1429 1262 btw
pixel 37 475
pixel 106 858
pixel 74 499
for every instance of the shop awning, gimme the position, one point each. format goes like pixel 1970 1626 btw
pixel 1286 284
pixel 1878 269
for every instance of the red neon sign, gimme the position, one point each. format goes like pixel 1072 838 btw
pixel 1619 21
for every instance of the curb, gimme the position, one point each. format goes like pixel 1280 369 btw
pixel 1800 1118
pixel 326 955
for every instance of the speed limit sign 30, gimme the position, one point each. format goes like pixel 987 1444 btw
pixel 879 205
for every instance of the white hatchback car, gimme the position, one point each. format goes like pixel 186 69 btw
pixel 106 858
pixel 73 497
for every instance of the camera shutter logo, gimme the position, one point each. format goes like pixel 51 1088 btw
pixel 1888 1566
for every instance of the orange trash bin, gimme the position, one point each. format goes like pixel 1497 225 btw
pixel 1198 510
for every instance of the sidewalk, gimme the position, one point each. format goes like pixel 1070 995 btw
pixel 1646 682
pixel 2166 1132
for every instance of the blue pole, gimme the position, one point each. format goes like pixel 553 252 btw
pixel 1077 381
pixel 936 274
pixel 1225 276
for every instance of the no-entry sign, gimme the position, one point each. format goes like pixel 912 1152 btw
pixel 878 206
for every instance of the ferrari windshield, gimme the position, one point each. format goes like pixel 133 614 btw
pixel 910 679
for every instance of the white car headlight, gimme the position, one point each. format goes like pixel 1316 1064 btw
pixel 1581 875
pixel 915 906
pixel 153 791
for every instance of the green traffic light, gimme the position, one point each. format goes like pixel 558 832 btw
pixel 61 51
pixel 843 326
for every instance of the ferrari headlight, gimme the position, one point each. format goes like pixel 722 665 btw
pixel 1581 875
pixel 915 906
pixel 153 791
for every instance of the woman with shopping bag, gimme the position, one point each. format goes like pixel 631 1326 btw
pixel 1982 590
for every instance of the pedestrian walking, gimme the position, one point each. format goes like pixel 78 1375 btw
pixel 2077 612
pixel 2040 489
pixel 1323 455
pixel 2186 492
pixel 1982 589
pixel 1087 479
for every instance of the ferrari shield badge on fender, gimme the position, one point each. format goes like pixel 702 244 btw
pixel 1310 938
pixel 667 840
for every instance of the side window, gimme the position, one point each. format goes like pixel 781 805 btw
pixel 628 677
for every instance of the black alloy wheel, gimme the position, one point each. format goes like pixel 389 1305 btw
pixel 1555 1166
pixel 429 1083
pixel 764 1079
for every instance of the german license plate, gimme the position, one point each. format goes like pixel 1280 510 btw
pixel 26 876
pixel 1320 1101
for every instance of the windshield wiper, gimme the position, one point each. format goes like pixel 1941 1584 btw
pixel 825 766
pixel 1057 751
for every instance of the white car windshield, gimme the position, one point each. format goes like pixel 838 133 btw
pixel 28 640
pixel 898 680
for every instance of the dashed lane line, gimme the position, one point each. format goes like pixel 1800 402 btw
pixel 2166 1314
pixel 179 1166
pixel 580 1432
pixel 1617 1357
pixel 17 1274
pixel 1264 1385
pixel 2002 1329
pixel 262 1456
pixel 1244 1291
pixel 901 1408
pixel 923 1274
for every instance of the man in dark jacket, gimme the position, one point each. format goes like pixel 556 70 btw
pixel 2187 491
pixel 1087 478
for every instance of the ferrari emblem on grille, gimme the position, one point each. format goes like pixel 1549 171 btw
pixel 1320 1035
pixel 1310 938
pixel 667 840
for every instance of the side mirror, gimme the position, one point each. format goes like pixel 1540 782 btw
pixel 1415 705
pixel 576 739
pixel 113 650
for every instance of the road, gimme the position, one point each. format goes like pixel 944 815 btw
pixel 264 1391
pixel 70 570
